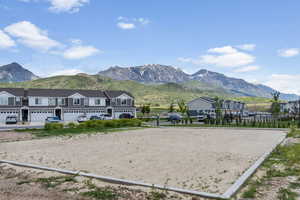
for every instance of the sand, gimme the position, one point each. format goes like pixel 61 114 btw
pixel 207 160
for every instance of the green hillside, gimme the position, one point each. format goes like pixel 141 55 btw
pixel 159 95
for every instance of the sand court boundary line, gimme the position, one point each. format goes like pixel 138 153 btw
pixel 229 193
pixel 113 180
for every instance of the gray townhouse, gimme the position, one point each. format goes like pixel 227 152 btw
pixel 291 107
pixel 35 105
pixel 207 105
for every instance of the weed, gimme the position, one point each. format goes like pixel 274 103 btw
pixel 252 189
pixel 101 194
pixel 155 195
pixel 286 194
pixel 294 185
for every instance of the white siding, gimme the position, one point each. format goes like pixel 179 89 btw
pixel 92 101
pixel 44 102
pixel 5 96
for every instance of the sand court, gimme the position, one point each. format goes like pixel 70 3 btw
pixel 207 160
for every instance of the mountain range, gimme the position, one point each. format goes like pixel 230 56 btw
pixel 159 83
pixel 158 74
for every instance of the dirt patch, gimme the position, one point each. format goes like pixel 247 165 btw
pixel 11 136
pixel 27 185
pixel 11 189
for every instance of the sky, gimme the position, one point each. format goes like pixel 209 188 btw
pixel 255 40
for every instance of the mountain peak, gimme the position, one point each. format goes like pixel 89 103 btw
pixel 14 72
pixel 149 73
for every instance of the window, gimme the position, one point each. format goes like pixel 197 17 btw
pixel 124 102
pixel 76 101
pixel 97 101
pixel 38 101
pixel 52 101
pixel 3 101
pixel 61 101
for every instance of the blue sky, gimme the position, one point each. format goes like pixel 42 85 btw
pixel 255 40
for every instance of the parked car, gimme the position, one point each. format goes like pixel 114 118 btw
pixel 174 117
pixel 11 120
pixel 126 116
pixel 52 120
pixel 106 117
pixel 95 117
pixel 202 117
pixel 82 118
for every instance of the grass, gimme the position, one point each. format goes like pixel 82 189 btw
pixel 287 194
pixel 252 189
pixel 283 162
pixel 101 194
pixel 156 195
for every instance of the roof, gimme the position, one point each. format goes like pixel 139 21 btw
pixel 63 93
pixel 212 100
pixel 14 91
pixel 116 93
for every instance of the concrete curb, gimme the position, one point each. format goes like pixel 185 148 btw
pixel 113 180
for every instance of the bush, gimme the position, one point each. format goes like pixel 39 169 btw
pixel 71 125
pixel 116 123
pixel 54 126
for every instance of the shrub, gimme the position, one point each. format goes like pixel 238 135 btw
pixel 116 123
pixel 54 126
pixel 71 125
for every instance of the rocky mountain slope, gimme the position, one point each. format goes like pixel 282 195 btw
pixel 169 74
pixel 15 73
pixel 147 74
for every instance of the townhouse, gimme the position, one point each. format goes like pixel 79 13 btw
pixel 207 105
pixel 35 105
pixel 291 107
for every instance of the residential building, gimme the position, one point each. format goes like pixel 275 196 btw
pixel 291 107
pixel 35 105
pixel 207 105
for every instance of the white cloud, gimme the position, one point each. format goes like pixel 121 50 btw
pixel 247 47
pixel 131 23
pixel 247 69
pixel 6 41
pixel 66 72
pixel 223 50
pixel 286 83
pixel 143 21
pixel 125 26
pixel 76 41
pixel 288 52
pixel 32 36
pixel 58 6
pixel 70 6
pixel 226 56
pixel 79 52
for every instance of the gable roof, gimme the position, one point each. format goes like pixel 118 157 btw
pixel 116 93
pixel 19 92
pixel 63 93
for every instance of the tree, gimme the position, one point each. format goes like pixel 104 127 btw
pixel 145 109
pixel 182 107
pixel 172 107
pixel 218 107
pixel 275 107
